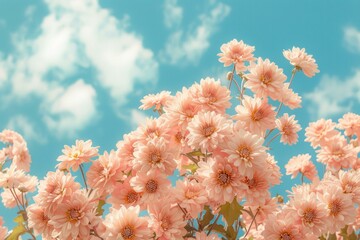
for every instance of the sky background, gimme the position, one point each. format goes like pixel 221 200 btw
pixel 78 69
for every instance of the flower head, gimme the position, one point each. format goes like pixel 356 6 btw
pixel 301 61
pixel 288 128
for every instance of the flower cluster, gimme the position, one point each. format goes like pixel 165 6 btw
pixel 224 160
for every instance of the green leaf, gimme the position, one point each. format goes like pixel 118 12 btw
pixel 192 167
pixel 196 153
pixel 231 211
pixel 19 229
pixel 219 228
pixel 230 233
pixel 99 209
pixel 332 237
pixel 207 217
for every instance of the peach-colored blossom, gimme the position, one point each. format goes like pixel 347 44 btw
pixel 220 179
pixel 350 183
pixel 77 154
pixel 3 229
pixel 10 136
pixel 125 223
pixel 16 178
pixel 246 152
pixel 104 172
pixel 320 132
pixel 191 196
pixel 339 206
pixel 255 188
pixel 210 95
pixel 166 221
pixel 262 210
pixel 155 155
pixel 156 101
pixel 282 226
pixel 204 236
pixel 20 156
pixel 301 164
pixel 256 114
pixel 288 128
pixel 8 200
pixel 337 153
pixel 350 122
pixel 301 61
pixel 125 150
pixel 124 194
pixel 207 130
pixel 74 218
pixel 289 97
pixel 153 128
pixel 39 221
pixel 237 53
pixel 265 79
pixel 274 170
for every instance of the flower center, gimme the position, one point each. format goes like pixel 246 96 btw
pixel 189 194
pixel 223 178
pixel 208 130
pixel 165 223
pixel 266 78
pixel 155 157
pixel 75 154
pixel 73 215
pixel 334 207
pixel 309 215
pixel 127 232
pixel 285 236
pixel 250 182
pixel 244 152
pixel 151 186
pixel 132 196
pixel 257 115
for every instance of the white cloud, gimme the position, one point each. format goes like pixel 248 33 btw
pixel 352 39
pixel 77 35
pixel 172 13
pixel 68 110
pixel 188 46
pixel 334 96
pixel 26 128
pixel 137 118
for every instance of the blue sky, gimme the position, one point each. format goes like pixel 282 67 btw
pixel 78 69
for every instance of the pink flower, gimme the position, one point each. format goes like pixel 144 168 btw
pixel 203 236
pixel 337 153
pixel 207 130
pixel 155 155
pixel 39 221
pixel 246 152
pixel 152 129
pixel 56 188
pixel 288 128
pixel 125 150
pixel 158 101
pixel 21 156
pixel 256 114
pixel 210 95
pixel 274 170
pixel 220 179
pixel 167 222
pixel 265 79
pixel 124 194
pixel 74 218
pixel 301 61
pixel 256 188
pixel 340 209
pixel 3 229
pixel 320 132
pixel 262 210
pixel 350 183
pixel 152 186
pixel 191 196
pixel 289 97
pixel 350 122
pixel 9 136
pixel 236 53
pixel 125 223
pixel 8 200
pixel 105 171
pixel 301 163
pixel 75 155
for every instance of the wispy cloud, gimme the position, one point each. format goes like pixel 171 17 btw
pixel 172 13
pixel 186 46
pixel 334 96
pixel 74 36
pixel 137 118
pixel 352 39
pixel 25 127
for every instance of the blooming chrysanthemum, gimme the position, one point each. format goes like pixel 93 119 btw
pixel 153 128
pixel 191 196
pixel 301 163
pixel 265 79
pixel 3 229
pixel 75 155
pixel 125 150
pixel 289 98
pixel 207 130
pixel 124 194
pixel 8 200
pixel 167 222
pixel 246 152
pixel 10 136
pixel 105 171
pixel 220 179
pixel 56 188
pixel 288 128
pixel 320 132
pixel 256 114
pixel 21 157
pixel 156 101
pixel 262 210
pixel 237 53
pixel 155 155
pixel 301 61
pixel 74 218
pixel 125 223
pixel 350 183
pixel 274 170
pixel 152 186
pixel 337 153
pixel 256 188
pixel 12 177
pixel 39 221
pixel 350 122
pixel 339 206
pixel 210 95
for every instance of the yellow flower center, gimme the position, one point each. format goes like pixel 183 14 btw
pixel 223 178
pixel 127 232
pixel 151 186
